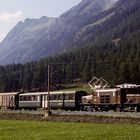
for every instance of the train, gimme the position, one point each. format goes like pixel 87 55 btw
pixel 67 100
pixel 117 99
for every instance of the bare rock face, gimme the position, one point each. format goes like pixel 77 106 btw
pixel 37 38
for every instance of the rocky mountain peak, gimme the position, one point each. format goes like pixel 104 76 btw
pixel 37 38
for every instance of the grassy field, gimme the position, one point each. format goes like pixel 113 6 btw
pixel 31 130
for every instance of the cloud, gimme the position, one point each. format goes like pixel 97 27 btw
pixel 7 17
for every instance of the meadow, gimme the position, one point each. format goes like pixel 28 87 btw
pixel 35 130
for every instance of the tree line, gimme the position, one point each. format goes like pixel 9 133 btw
pixel 115 62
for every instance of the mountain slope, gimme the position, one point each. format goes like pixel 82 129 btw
pixel 123 19
pixel 35 39
pixel 109 47
pixel 21 38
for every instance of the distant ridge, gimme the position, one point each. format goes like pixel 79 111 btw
pixel 38 38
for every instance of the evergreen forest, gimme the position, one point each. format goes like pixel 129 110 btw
pixel 117 62
pixel 111 51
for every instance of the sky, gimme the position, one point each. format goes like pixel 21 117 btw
pixel 13 11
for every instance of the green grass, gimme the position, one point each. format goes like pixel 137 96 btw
pixel 32 130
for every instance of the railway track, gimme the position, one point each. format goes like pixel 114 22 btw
pixel 107 114
pixel 73 116
pixel 74 113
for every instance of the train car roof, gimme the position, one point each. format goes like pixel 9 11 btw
pixel 107 90
pixel 45 93
pixel 9 93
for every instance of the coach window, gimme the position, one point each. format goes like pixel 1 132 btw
pixel 28 98
pixel 53 97
pixel 33 98
pixel 60 97
pixel 24 98
pixel 21 99
pixel 66 97
pixel 71 96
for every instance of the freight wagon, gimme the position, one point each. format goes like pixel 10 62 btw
pixel 9 100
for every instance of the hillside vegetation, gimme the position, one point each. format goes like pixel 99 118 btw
pixel 111 50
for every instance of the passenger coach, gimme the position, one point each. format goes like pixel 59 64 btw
pixel 61 99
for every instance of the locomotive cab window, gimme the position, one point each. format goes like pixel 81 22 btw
pixel 104 99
